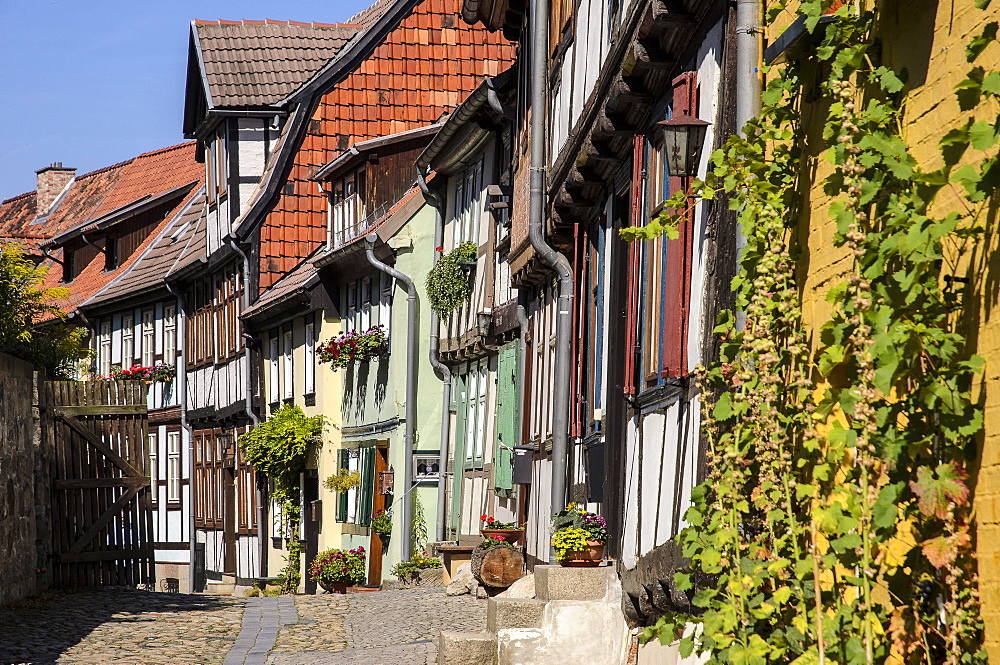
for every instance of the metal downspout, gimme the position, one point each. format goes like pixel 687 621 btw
pixel 442 520
pixel 182 400
pixel 536 235
pixel 248 388
pixel 749 29
pixel 522 350
pixel 411 386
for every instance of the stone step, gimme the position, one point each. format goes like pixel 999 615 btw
pixel 466 648
pixel 220 588
pixel 513 613
pixel 566 583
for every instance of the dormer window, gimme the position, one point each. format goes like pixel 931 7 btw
pixel 110 253
pixel 67 265
pixel 346 209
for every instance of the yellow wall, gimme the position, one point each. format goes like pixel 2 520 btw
pixel 928 39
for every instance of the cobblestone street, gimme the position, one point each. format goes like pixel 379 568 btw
pixel 125 626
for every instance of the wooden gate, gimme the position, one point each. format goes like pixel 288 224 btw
pixel 102 524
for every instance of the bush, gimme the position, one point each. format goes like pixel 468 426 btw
pixel 406 570
pixel 345 566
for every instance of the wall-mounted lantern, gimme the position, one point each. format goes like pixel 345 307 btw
pixel 227 444
pixel 385 479
pixel 683 139
pixel 484 320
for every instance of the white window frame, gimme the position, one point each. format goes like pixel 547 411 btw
pixel 170 334
pixel 385 305
pixel 128 340
pixel 468 205
pixel 173 466
pixel 365 307
pixel 154 475
pixel 310 360
pixel 273 373
pixel 104 349
pixel 148 337
pixel 287 375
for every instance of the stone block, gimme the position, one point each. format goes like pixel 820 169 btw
pixel 563 583
pixel 462 648
pixel 462 581
pixel 523 588
pixel 513 613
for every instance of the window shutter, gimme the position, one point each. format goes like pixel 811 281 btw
pixel 507 409
pixel 341 496
pixel 367 486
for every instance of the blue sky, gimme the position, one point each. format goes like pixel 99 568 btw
pixel 93 82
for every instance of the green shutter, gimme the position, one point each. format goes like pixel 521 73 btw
pixel 461 395
pixel 367 489
pixel 507 407
pixel 341 496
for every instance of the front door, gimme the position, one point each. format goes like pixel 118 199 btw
pixel 378 545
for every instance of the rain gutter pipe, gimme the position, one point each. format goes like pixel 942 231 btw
pixel 182 399
pixel 749 26
pixel 411 385
pixel 244 305
pixel 442 522
pixel 536 235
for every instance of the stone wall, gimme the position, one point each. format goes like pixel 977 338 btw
pixel 18 529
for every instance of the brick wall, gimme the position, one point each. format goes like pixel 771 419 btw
pixel 18 551
pixel 50 182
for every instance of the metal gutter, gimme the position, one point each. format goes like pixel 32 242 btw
pixel 434 356
pixel 539 30
pixel 411 388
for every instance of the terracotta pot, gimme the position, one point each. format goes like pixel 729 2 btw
pixel 333 587
pixel 512 536
pixel 588 558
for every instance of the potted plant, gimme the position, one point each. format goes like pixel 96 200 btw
pixel 415 570
pixel 449 283
pixel 335 570
pixel 353 346
pixel 578 536
pixel 382 524
pixel 343 480
pixel 511 531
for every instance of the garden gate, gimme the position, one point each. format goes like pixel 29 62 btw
pixel 102 524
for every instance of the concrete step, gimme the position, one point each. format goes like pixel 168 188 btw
pixel 513 613
pixel 464 648
pixel 565 583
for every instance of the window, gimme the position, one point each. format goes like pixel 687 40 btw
pixel 346 209
pixel 110 253
pixel 173 466
pixel 216 163
pixel 154 490
pixel 104 349
pixel 170 334
pixel 200 325
pixel 272 375
pixel 385 305
pixel 310 364
pixel 468 205
pixel 365 306
pixel 68 259
pixel 128 340
pixel 148 337
pixel 286 365
pixel 473 396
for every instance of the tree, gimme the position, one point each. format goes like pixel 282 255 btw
pixel 32 327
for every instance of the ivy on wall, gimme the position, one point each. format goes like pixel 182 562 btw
pixel 448 283
pixel 835 522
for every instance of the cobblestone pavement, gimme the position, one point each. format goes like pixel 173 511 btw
pixel 382 628
pixel 119 626
pixel 141 628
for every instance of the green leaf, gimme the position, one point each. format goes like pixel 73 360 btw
pixel 936 489
pixel 723 407
pixel 885 511
pixel 982 135
pixel 991 83
pixel 978 43
pixel 888 79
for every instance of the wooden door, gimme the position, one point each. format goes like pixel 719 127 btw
pixel 507 419
pixel 377 546
pixel 102 523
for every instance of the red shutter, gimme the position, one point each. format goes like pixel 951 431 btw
pixel 677 276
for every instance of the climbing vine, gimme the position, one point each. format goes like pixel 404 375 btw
pixel 277 449
pixel 834 525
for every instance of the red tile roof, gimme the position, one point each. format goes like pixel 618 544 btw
pixel 97 193
pixel 423 68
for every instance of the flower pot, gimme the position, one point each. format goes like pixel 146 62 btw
pixel 333 587
pixel 588 558
pixel 512 536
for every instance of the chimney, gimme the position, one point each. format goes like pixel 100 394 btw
pixel 52 180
